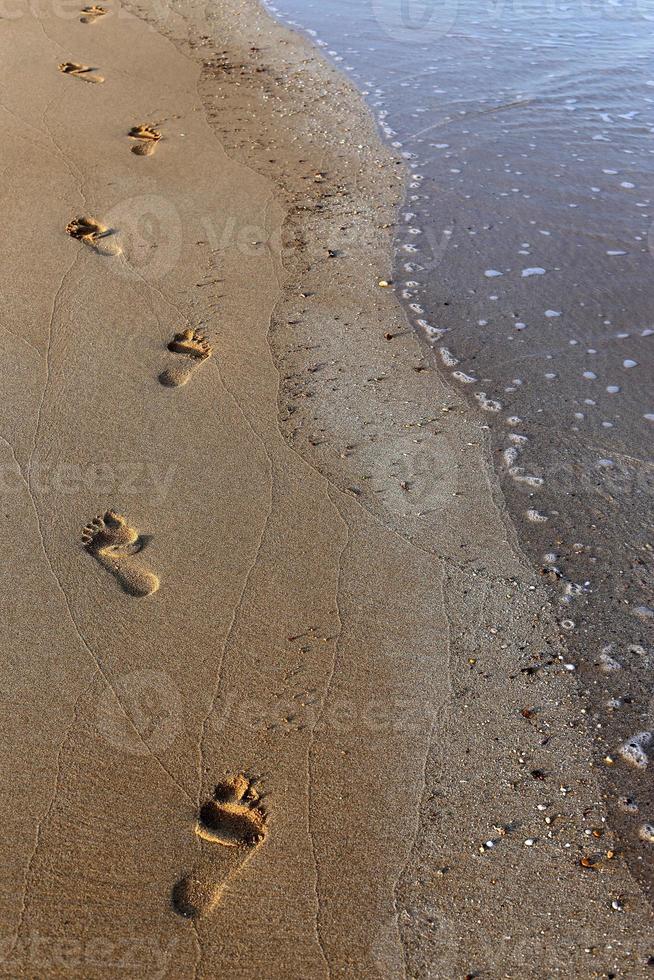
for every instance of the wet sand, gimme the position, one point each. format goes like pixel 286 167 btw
pixel 523 256
pixel 272 721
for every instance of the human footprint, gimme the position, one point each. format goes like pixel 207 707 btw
pixel 113 543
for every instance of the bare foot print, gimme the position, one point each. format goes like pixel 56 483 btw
pixel 91 14
pixel 92 233
pixel 233 817
pixel 85 72
pixel 195 348
pixel 235 820
pixel 146 138
pixel 114 544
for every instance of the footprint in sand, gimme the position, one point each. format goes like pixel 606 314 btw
pixel 114 544
pixel 91 14
pixel 195 348
pixel 146 138
pixel 85 72
pixel 235 820
pixel 94 234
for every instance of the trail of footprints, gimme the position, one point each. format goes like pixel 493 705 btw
pixel 232 824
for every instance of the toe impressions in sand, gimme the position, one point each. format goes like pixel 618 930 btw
pixel 145 139
pixel 93 233
pixel 235 820
pixel 85 72
pixel 193 348
pixel 91 14
pixel 114 544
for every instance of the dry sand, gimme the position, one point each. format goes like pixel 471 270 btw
pixel 316 586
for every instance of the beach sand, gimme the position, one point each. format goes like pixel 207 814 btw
pixel 268 717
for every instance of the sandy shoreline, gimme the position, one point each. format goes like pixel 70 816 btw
pixel 342 611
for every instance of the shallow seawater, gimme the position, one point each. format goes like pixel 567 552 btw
pixel 525 253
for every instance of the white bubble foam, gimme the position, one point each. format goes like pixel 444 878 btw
pixel 448 357
pixel 627 804
pixel 488 404
pixel 607 663
pixel 518 474
pixel 464 378
pixel 633 750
